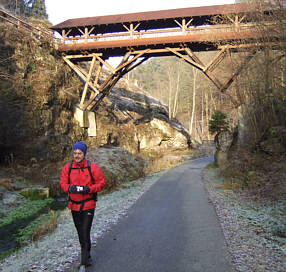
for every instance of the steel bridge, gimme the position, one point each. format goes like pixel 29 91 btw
pixel 138 36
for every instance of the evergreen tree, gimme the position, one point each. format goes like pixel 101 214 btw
pixel 36 9
pixel 16 6
pixel 218 122
pixel 28 8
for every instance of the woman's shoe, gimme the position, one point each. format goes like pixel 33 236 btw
pixel 90 261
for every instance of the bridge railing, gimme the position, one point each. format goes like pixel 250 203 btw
pixel 20 23
pixel 157 33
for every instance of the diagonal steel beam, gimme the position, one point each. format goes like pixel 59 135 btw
pixel 212 77
pixel 238 71
pixel 193 56
pixel 216 60
pixel 124 67
pixel 207 72
pixel 80 73
pixel 124 64
pixel 131 67
pixel 186 58
pixel 195 61
pixel 105 63
pixel 99 69
pixel 92 104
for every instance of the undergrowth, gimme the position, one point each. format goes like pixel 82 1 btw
pixel 259 174
pixel 42 225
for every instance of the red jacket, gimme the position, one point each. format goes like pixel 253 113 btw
pixel 81 177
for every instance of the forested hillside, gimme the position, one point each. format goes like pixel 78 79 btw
pixel 192 98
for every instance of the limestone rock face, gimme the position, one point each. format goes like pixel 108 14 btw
pixel 223 142
pixel 161 138
pixel 140 124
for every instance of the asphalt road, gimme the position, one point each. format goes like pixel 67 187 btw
pixel 172 227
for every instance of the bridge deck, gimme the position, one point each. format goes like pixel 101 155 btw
pixel 113 35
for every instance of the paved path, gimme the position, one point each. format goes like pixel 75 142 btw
pixel 172 227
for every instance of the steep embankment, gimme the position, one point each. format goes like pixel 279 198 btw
pixel 36 117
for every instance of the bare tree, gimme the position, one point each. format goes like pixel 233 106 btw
pixel 195 73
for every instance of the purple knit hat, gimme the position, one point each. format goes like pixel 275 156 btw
pixel 81 146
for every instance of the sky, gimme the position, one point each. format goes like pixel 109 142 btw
pixel 61 10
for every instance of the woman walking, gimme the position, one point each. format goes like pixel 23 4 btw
pixel 82 180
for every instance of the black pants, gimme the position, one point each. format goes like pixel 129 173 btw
pixel 83 222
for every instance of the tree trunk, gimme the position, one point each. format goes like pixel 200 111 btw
pixel 170 93
pixel 202 118
pixel 175 107
pixel 194 98
pixel 207 114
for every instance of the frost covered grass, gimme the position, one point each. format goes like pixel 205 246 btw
pixel 58 250
pixel 254 231
pixel 39 227
pixel 27 209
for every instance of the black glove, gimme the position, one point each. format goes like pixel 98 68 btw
pixel 85 190
pixel 73 189
pixel 79 189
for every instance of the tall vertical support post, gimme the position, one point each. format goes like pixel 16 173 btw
pixel 86 34
pixel 87 81
pixel 184 26
pixel 131 31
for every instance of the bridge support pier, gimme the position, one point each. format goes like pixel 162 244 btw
pixel 86 119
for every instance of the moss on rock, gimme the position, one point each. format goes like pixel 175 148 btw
pixel 35 193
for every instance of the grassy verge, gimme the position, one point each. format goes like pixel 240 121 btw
pixel 36 229
pixel 261 216
pixel 44 224
pixel 25 210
